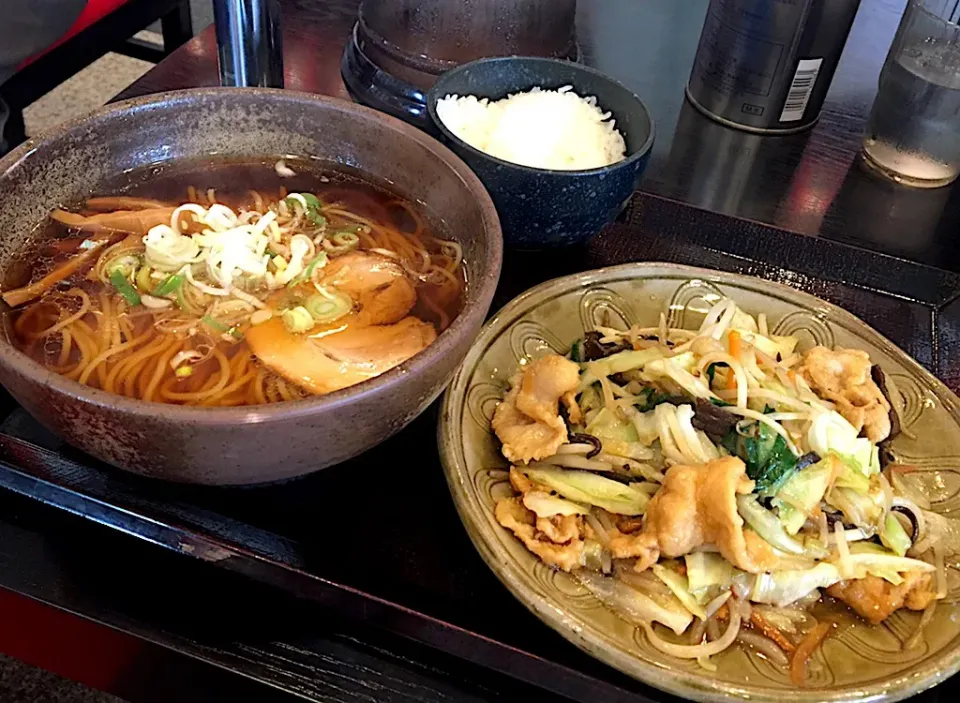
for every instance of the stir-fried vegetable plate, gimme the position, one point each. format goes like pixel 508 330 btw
pixel 712 485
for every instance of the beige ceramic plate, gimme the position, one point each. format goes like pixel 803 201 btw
pixel 861 663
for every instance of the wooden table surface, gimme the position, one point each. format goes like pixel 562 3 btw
pixel 811 183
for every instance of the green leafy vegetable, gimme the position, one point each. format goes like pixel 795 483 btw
pixel 607 425
pixel 585 487
pixel 770 463
pixel 620 362
pixel 865 510
pixel 619 436
pixel 169 285
pixel 649 398
pixel 576 352
pixel 831 433
pixel 850 476
pixel 124 287
pixel 878 563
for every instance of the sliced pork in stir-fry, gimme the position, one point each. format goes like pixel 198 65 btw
pixel 876 599
pixel 697 506
pixel 843 376
pixel 528 421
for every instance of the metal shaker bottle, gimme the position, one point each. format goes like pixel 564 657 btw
pixel 765 65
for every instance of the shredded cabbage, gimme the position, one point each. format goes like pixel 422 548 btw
pixel 679 586
pixel 618 363
pixel 589 488
pixel 706 572
pixel 830 432
pixel 801 494
pixel 782 588
pixel 678 369
pixel 772 345
pixel 766 525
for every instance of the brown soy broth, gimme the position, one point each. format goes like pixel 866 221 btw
pixel 231 183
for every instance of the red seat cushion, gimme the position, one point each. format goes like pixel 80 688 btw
pixel 93 12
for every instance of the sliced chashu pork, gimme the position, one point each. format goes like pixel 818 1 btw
pixel 374 338
pixel 380 288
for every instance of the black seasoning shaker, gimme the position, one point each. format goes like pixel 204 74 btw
pixel 765 65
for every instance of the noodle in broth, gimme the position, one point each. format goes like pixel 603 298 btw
pixel 225 299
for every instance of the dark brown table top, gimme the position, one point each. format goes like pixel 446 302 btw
pixel 811 183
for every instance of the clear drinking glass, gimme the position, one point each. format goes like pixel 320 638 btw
pixel 913 135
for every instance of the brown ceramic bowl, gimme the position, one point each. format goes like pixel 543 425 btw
pixel 257 443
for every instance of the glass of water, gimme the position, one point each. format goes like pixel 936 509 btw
pixel 913 135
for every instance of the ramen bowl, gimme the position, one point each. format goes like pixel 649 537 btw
pixel 256 443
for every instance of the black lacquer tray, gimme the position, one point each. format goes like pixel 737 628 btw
pixel 376 543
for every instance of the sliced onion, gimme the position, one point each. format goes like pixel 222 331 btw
pixel 149 301
pixel 764 646
pixel 643 580
pixel 203 286
pixel 713 606
pixel 925 619
pixel 694 651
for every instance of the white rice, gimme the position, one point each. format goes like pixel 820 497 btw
pixel 548 129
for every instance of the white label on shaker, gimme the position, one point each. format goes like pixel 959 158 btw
pixel 800 89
